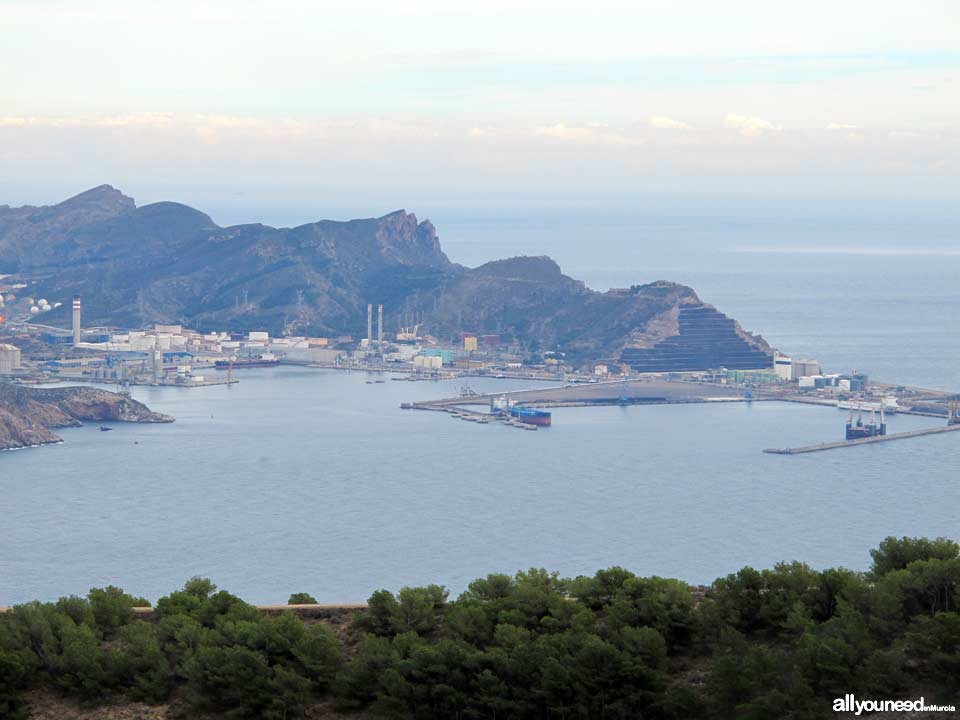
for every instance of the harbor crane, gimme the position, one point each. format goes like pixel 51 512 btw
pixel 409 334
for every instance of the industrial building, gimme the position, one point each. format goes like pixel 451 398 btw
pixel 9 359
pixel 751 377
pixel 783 367
pixel 448 356
pixel 805 368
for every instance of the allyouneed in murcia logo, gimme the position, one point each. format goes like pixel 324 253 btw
pixel 849 703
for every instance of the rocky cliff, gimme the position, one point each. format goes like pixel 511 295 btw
pixel 28 414
pixel 167 262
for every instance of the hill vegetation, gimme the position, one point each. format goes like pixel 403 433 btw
pixel 777 643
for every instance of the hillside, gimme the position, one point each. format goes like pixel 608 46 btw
pixel 167 262
pixel 29 415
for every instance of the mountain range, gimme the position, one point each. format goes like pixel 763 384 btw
pixel 167 262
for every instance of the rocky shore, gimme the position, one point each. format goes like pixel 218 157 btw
pixel 29 415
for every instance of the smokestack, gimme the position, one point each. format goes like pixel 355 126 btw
pixel 157 360
pixel 76 320
pixel 380 327
pixel 369 325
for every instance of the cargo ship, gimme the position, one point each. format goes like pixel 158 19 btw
pixel 506 406
pixel 531 416
pixel 859 430
pixel 265 360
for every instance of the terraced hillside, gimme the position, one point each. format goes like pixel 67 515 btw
pixel 705 338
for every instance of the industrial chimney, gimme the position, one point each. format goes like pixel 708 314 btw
pixel 369 326
pixel 380 328
pixel 76 320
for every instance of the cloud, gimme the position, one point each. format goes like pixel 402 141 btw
pixel 565 132
pixel 143 118
pixel 666 123
pixel 595 133
pixel 232 121
pixel 358 159
pixel 747 125
pixel 842 126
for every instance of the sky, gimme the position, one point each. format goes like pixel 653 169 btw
pixel 291 109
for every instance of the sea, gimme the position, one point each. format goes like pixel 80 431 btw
pixel 306 480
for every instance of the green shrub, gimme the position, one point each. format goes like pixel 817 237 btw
pixel 302 598
pixel 112 608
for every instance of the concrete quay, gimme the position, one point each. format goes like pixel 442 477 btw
pixel 864 441
pixel 617 392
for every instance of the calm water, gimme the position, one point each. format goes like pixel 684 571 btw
pixel 313 480
pixel 304 480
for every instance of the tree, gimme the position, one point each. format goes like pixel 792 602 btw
pixel 896 553
pixel 112 608
pixel 17 667
pixel 149 672
pixel 931 646
pixel 302 598
pixel 241 683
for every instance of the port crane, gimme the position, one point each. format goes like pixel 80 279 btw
pixel 123 382
pixel 953 411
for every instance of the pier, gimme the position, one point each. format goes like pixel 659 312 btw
pixel 646 391
pixel 864 441
pixel 461 413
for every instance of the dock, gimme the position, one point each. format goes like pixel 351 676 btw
pixel 864 441
pixel 461 413
pixel 645 391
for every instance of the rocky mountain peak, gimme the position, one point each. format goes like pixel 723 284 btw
pixel 103 197
pixel 524 267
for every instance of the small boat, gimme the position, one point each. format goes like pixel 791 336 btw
pixel 104 428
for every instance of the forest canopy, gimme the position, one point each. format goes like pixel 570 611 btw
pixel 775 643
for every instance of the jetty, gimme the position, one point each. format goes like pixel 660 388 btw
pixel 461 413
pixel 636 391
pixel 864 441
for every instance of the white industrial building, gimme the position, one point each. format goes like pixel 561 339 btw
pixel 783 367
pixel 9 359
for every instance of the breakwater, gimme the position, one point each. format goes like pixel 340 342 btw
pixel 863 441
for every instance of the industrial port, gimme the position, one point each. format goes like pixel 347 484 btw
pixel 169 354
